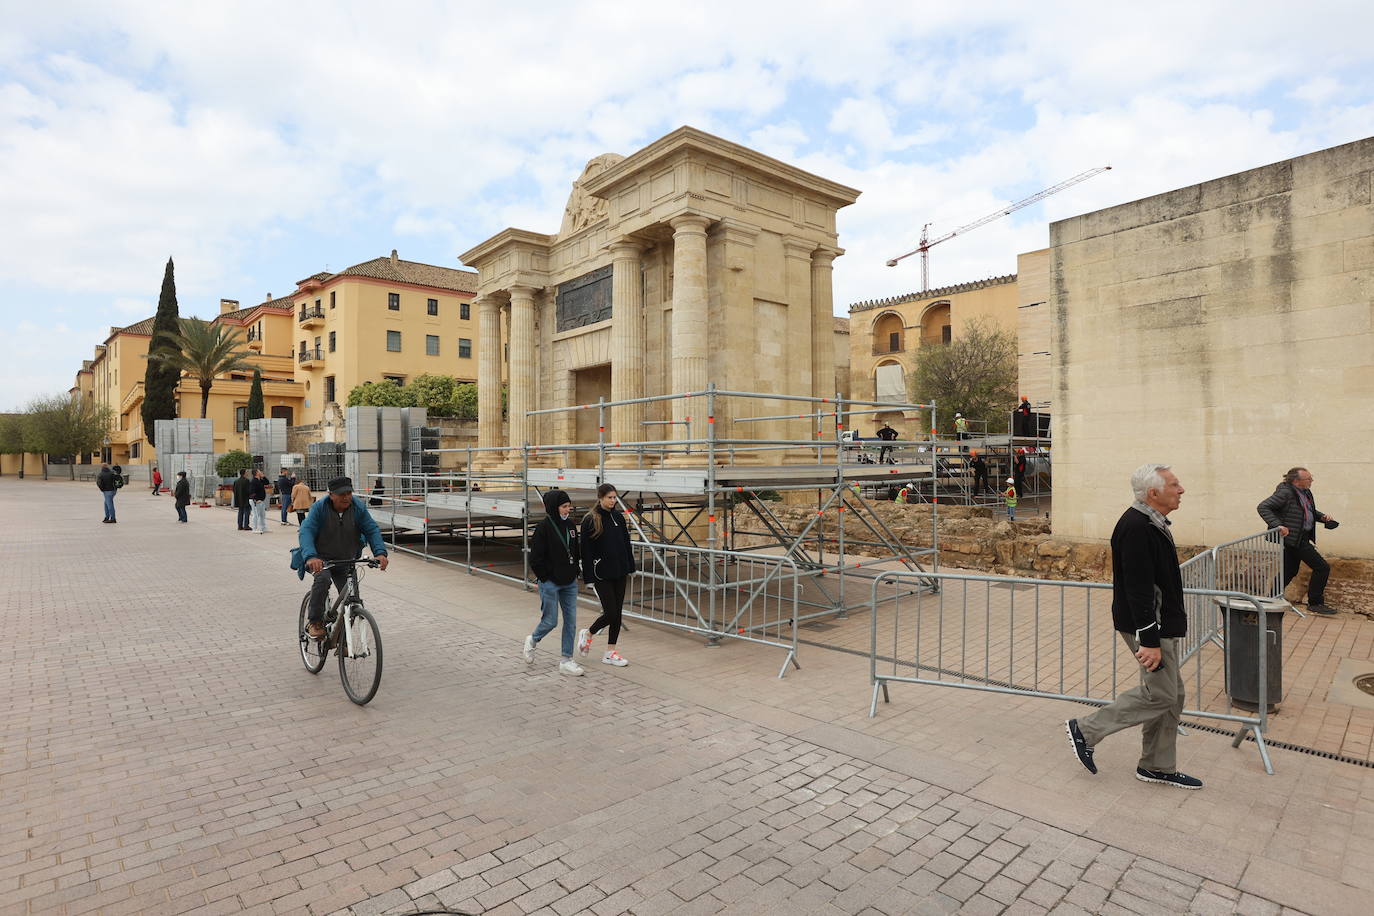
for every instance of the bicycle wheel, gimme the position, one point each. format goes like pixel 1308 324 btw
pixel 312 650
pixel 361 672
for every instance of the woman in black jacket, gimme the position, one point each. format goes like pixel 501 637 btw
pixel 182 494
pixel 607 562
pixel 553 560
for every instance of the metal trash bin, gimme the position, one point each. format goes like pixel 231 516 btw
pixel 1241 631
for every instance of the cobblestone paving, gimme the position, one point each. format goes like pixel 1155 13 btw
pixel 165 752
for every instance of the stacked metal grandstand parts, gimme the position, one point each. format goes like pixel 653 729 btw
pixel 324 461
pixel 187 444
pixel 377 448
pixel 267 443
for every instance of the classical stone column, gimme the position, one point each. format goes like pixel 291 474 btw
pixel 823 318
pixel 689 323
pixel 522 342
pixel 627 347
pixel 489 357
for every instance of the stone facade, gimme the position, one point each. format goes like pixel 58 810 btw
pixel 720 261
pixel 1033 339
pixel 1226 328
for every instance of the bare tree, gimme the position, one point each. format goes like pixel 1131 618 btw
pixel 974 374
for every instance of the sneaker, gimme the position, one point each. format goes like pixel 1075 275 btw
pixel 613 658
pixel 1182 780
pixel 315 630
pixel 584 641
pixel 1080 746
pixel 570 668
pixel 1322 609
pixel 528 650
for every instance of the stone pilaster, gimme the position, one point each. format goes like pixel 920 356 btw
pixel 798 352
pixel 489 357
pixel 823 318
pixel 522 380
pixel 627 346
pixel 689 323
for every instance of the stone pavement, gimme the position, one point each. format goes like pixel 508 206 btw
pixel 165 752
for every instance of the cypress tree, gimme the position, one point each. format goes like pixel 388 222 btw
pixel 256 409
pixel 160 379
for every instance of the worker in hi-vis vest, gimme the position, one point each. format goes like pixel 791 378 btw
pixel 1010 496
pixel 960 426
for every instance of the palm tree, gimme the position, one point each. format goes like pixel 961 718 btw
pixel 204 351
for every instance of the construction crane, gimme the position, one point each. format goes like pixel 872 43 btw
pixel 928 243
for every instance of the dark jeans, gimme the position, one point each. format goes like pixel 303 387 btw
pixel 612 595
pixel 319 591
pixel 980 481
pixel 244 509
pixel 1306 552
pixel 181 512
pixel 285 506
pixel 300 517
pixel 1019 481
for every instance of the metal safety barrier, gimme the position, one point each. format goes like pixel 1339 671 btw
pixel 718 594
pixel 1048 639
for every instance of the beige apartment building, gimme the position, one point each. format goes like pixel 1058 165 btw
pixel 386 319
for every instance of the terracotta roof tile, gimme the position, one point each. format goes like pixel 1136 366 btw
pixel 463 281
pixel 144 327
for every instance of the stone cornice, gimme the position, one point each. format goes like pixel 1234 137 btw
pixel 932 293
pixel 690 139
pixel 506 238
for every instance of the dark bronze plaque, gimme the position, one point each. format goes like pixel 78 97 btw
pixel 585 300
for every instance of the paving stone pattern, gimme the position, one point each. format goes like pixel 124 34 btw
pixel 165 752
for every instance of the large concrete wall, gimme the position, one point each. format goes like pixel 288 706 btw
pixel 1226 328
pixel 1033 327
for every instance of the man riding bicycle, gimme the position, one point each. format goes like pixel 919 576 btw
pixel 336 529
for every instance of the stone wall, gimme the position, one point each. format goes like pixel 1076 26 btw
pixel 981 539
pixel 1226 328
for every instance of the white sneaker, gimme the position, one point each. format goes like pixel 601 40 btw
pixel 528 650
pixel 584 641
pixel 613 658
pixel 570 668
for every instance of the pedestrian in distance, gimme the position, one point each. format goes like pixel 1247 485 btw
pixel 554 552
pixel 1148 612
pixel 980 474
pixel 301 499
pixel 1293 510
pixel 105 483
pixel 242 486
pixel 1009 498
pixel 181 493
pixel 1018 471
pixel 336 528
pixel 282 486
pixel 608 561
pixel 887 434
pixel 257 497
pixel 157 480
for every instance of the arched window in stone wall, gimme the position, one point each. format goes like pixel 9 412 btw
pixel 889 382
pixel 935 323
pixel 889 333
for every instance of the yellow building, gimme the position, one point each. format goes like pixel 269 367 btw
pixel 884 334
pixel 117 368
pixel 381 320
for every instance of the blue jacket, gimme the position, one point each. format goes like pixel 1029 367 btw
pixel 368 532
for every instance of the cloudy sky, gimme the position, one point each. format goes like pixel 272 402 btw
pixel 258 143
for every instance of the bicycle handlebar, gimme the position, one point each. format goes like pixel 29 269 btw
pixel 371 562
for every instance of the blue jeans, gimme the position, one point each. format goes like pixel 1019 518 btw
pixel 1011 513
pixel 109 504
pixel 550 597
pixel 285 504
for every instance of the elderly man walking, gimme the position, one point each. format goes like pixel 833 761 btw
pixel 1293 510
pixel 1147 610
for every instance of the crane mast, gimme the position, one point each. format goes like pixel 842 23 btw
pixel 927 243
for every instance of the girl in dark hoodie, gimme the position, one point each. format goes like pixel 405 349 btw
pixel 607 562
pixel 553 559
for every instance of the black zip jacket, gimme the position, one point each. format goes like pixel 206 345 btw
pixel 609 556
pixel 1147 587
pixel 549 560
pixel 1284 508
pixel 104 481
pixel 182 492
pixel 257 488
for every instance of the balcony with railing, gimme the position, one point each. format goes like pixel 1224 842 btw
pixel 887 349
pixel 310 316
pixel 254 339
pixel 310 357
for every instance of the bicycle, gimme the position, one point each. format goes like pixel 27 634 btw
pixel 351 632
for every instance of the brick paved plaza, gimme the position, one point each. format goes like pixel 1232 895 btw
pixel 164 751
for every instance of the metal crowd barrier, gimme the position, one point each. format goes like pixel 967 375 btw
pixel 1048 639
pixel 718 594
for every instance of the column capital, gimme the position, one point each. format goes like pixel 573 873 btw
pixel 689 223
pixel 487 300
pixel 825 256
pixel 626 246
pixel 520 291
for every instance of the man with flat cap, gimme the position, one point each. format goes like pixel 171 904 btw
pixel 336 528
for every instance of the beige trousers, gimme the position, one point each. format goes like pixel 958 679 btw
pixel 1156 706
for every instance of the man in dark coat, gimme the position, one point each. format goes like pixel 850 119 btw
pixel 182 495
pixel 980 474
pixel 282 487
pixel 1022 424
pixel 1018 472
pixel 241 487
pixel 1148 612
pixel 887 434
pixel 1293 510
pixel 105 483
